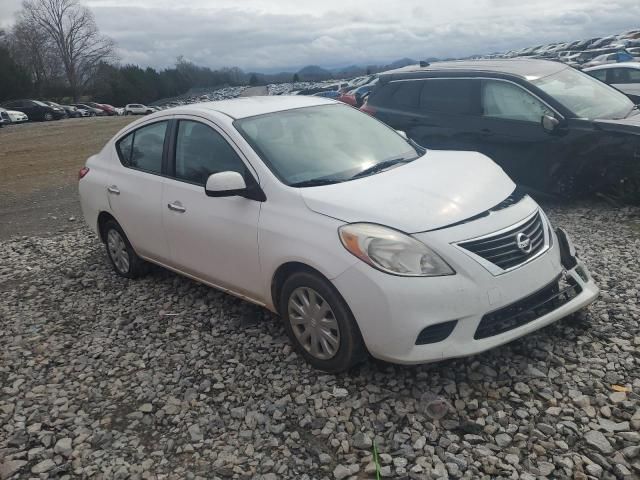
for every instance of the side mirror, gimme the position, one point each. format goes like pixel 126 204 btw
pixel 232 184
pixel 402 133
pixel 225 184
pixel 550 123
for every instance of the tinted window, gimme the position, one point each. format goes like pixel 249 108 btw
pixel 142 149
pixel 507 101
pixel 201 151
pixel 599 74
pixel 624 75
pixel 407 94
pixel 450 96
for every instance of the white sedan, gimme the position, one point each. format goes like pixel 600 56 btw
pixel 137 109
pixel 360 239
pixel 17 117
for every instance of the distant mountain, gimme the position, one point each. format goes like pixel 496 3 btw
pixel 314 73
pixel 403 62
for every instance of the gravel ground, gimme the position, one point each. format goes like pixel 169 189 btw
pixel 164 378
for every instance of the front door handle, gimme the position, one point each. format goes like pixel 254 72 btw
pixel 176 207
pixel 113 189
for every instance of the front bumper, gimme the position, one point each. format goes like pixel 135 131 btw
pixel 468 313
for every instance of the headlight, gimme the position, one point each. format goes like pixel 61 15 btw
pixel 392 251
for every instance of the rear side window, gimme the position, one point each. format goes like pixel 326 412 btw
pixel 407 94
pixel 142 149
pixel 599 74
pixel 451 96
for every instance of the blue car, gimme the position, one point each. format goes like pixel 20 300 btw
pixel 328 94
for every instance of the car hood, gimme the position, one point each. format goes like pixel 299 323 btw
pixel 438 189
pixel 626 125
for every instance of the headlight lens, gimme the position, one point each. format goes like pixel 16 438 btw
pixel 392 251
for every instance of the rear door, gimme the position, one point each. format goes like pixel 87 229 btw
pixel 439 113
pixel 212 238
pixel 134 188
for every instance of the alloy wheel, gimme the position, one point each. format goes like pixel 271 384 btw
pixel 48 117
pixel 118 251
pixel 313 323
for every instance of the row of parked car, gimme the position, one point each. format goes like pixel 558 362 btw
pixel 588 52
pixel 24 110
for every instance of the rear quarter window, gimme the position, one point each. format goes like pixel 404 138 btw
pixel 399 94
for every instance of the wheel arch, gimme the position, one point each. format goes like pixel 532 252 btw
pixel 283 272
pixel 103 218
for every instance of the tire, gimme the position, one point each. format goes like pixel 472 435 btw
pixel 122 256
pixel 92 114
pixel 127 113
pixel 338 346
pixel 48 117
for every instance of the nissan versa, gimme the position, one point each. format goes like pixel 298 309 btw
pixel 360 239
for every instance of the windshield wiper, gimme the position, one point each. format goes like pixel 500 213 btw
pixel 378 167
pixel 316 182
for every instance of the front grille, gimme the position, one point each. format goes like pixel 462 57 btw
pixel 502 248
pixel 528 309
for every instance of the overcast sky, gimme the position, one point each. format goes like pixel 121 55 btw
pixel 272 34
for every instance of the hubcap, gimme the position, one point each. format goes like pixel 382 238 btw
pixel 313 323
pixel 118 251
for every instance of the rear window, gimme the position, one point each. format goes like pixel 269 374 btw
pixel 452 96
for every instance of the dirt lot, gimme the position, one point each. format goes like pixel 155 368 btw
pixel 39 163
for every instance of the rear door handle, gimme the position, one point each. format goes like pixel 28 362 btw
pixel 113 189
pixel 486 132
pixel 176 207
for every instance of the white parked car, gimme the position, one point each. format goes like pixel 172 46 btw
pixel 17 117
pixel 624 76
pixel 360 239
pixel 137 109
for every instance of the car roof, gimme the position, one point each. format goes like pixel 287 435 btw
pixel 243 107
pixel 522 67
pixel 614 65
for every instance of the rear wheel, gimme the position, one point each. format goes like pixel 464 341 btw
pixel 320 324
pixel 123 258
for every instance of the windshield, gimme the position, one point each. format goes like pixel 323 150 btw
pixel 585 96
pixel 330 143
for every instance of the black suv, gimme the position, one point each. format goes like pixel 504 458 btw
pixel 36 110
pixel 549 126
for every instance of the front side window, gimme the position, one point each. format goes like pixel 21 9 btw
pixel 507 101
pixel 201 151
pixel 585 96
pixel 325 143
pixel 450 96
pixel 142 148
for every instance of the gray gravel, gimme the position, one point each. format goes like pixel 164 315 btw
pixel 164 378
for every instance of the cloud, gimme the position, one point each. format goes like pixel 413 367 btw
pixel 270 34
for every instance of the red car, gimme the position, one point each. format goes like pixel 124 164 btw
pixel 349 98
pixel 107 109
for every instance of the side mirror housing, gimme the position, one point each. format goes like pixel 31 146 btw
pixel 232 184
pixel 549 123
pixel 402 133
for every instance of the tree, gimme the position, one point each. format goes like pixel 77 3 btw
pixel 73 31
pixel 32 48
pixel 296 78
pixel 253 80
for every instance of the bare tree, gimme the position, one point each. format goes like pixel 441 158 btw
pixel 75 36
pixel 32 48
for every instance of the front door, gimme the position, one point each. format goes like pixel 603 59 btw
pixel 511 133
pixel 212 238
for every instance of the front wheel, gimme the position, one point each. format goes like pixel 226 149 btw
pixel 48 117
pixel 319 323
pixel 123 258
